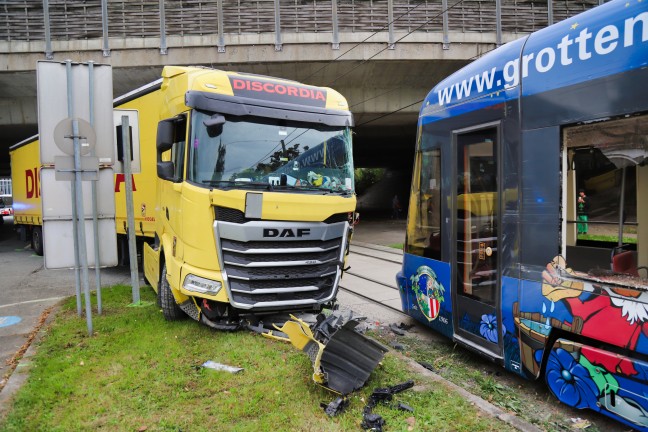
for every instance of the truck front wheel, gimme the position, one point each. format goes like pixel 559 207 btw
pixel 170 308
pixel 37 240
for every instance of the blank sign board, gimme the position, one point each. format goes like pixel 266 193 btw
pixel 53 104
pixel 58 105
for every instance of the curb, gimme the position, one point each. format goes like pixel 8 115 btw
pixel 483 405
pixel 19 375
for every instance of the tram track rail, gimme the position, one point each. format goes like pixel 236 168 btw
pixel 374 257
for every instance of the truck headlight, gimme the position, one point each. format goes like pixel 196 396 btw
pixel 201 285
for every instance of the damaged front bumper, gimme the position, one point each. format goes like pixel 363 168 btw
pixel 342 358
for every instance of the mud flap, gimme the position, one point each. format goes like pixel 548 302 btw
pixel 342 361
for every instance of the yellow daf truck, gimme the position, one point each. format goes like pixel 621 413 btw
pixel 254 202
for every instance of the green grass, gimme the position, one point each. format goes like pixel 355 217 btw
pixel 528 400
pixel 396 246
pixel 606 238
pixel 139 371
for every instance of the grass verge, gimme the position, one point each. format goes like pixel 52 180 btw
pixel 529 400
pixel 141 373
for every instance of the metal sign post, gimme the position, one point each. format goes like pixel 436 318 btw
pixel 95 217
pixel 130 210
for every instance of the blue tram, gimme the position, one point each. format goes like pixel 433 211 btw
pixel 527 231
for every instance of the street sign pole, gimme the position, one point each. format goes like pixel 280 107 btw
pixel 130 210
pixel 78 214
pixel 95 217
pixel 77 274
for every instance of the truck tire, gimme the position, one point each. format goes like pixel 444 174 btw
pixel 170 308
pixel 37 240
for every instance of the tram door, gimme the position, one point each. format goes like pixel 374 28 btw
pixel 476 288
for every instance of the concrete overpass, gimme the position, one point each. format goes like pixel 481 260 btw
pixel 383 55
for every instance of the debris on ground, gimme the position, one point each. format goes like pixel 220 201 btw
pixel 579 423
pixel 396 329
pixel 397 346
pixel 336 407
pixel 209 364
pixel 404 407
pixel 428 366
pixel 374 422
pixel 342 358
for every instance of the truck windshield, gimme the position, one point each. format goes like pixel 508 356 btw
pixel 251 152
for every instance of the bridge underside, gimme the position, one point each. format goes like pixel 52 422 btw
pixel 384 87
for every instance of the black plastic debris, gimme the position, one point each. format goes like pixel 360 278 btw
pixel 404 407
pixel 428 366
pixel 372 422
pixel 348 359
pixel 342 358
pixel 385 394
pixel 404 326
pixel 395 329
pixel 397 346
pixel 336 407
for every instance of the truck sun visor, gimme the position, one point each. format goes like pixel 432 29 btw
pixel 292 108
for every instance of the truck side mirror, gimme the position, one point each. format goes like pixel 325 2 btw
pixel 166 170
pixel 165 135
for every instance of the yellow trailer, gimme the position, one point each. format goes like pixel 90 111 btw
pixel 25 179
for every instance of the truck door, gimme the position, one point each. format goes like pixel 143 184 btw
pixel 476 288
pixel 172 176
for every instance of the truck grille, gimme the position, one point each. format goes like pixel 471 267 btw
pixel 280 265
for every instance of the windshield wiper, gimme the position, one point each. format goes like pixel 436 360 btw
pixel 273 187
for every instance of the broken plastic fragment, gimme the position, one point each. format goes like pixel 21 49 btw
pixel 372 422
pixel 221 367
pixel 394 328
pixel 335 407
pixel 405 407
pixel 342 358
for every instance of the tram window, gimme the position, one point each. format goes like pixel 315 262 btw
pixel 424 226
pixel 607 164
pixel 477 215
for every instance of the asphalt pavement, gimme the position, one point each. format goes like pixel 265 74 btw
pixel 27 289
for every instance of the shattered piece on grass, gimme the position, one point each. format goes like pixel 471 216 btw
pixel 395 329
pixel 371 421
pixel 397 346
pixel 404 326
pixel 404 407
pixel 342 358
pixel 221 367
pixel 336 407
pixel 428 366
pixel 375 422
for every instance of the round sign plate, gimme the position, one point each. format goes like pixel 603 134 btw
pixel 65 141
